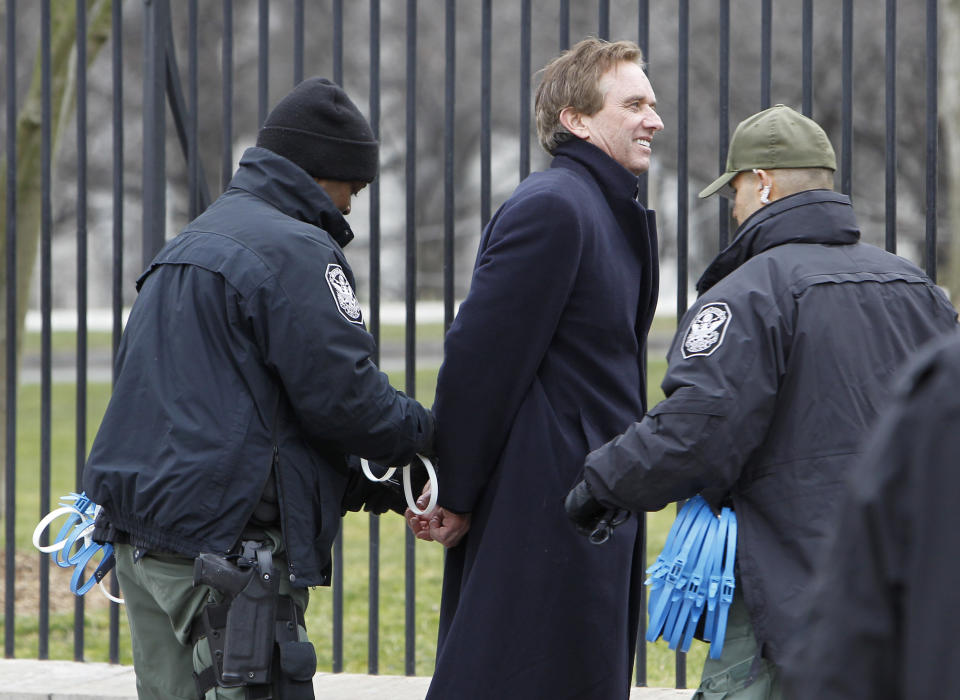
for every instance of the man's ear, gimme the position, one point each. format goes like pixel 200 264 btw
pixel 572 121
pixel 764 178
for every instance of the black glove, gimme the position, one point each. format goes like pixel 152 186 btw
pixel 382 496
pixel 389 494
pixel 372 496
pixel 583 509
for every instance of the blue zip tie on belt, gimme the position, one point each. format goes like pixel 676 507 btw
pixel 694 574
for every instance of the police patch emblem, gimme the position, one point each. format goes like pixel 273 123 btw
pixel 707 330
pixel 343 294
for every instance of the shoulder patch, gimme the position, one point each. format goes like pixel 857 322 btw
pixel 706 330
pixel 343 294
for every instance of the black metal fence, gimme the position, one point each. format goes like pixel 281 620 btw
pixel 473 63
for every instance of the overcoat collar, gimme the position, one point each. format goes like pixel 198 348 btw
pixel 813 216
pixel 290 189
pixel 616 182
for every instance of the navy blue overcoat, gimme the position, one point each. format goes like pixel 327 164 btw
pixel 543 364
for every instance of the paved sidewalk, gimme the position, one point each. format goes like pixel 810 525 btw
pixel 66 680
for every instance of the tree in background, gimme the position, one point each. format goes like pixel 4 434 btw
pixel 29 196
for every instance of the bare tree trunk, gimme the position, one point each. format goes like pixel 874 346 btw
pixel 949 96
pixel 63 76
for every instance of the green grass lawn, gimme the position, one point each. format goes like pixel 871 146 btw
pixel 428 556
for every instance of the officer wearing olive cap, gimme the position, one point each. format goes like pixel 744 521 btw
pixel 244 386
pixel 775 376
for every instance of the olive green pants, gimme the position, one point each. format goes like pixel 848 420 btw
pixel 740 673
pixel 161 604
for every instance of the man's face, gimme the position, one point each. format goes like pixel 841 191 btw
pixel 340 191
pixel 625 125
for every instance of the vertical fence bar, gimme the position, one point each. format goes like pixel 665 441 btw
pixel 117 275
pixel 766 39
pixel 930 257
pixel 373 626
pixel 338 540
pixel 46 232
pixel 298 31
pixel 338 42
pixel 184 125
pixel 564 25
pixel 846 146
pixel 807 57
pixel 10 482
pixel 683 92
pixel 449 145
pixel 193 155
pixel 336 632
pixel 723 137
pixel 890 122
pixel 263 61
pixel 373 629
pixel 410 358
pixel 524 88
pixel 603 19
pixel 486 34
pixel 155 18
pixel 643 40
pixel 226 97
pixel 81 408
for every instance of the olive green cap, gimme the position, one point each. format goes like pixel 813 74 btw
pixel 778 137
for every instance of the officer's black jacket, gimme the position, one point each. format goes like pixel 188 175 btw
pixel 775 376
pixel 246 334
pixel 883 616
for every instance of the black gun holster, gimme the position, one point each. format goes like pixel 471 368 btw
pixel 253 632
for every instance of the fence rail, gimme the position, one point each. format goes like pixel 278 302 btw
pixel 481 124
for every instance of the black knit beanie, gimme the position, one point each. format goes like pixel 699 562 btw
pixel 321 130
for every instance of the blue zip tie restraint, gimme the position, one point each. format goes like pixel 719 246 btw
pixel 74 546
pixel 692 575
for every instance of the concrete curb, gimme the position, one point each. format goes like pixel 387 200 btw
pixel 22 679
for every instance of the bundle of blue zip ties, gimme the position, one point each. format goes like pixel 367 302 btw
pixel 693 576
pixel 73 545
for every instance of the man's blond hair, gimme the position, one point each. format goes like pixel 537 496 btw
pixel 572 79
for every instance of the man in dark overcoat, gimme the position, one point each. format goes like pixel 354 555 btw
pixel 543 364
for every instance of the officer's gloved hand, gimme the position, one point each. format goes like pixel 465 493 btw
pixel 372 496
pixel 386 495
pixel 583 509
pixel 389 495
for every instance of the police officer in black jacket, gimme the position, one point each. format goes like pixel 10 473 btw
pixel 776 375
pixel 244 383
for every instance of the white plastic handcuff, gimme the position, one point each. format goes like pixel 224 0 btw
pixel 407 488
pixel 74 546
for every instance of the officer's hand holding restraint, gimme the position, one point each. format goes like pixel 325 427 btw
pixel 380 496
pixel 388 495
pixel 583 509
